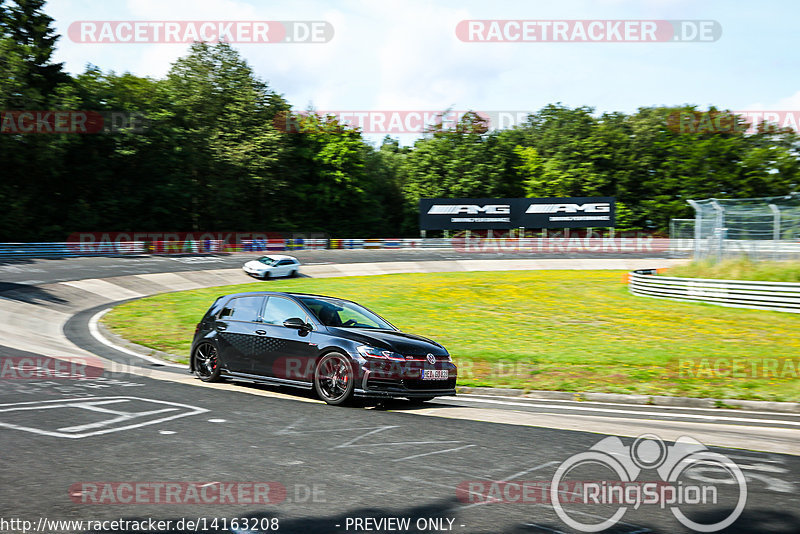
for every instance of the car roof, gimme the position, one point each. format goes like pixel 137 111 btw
pixel 280 293
pixel 278 257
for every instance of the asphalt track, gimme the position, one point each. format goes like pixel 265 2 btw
pixel 328 469
pixel 40 271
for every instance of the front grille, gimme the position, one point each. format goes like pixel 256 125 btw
pixel 383 383
pixel 423 358
pixel 450 383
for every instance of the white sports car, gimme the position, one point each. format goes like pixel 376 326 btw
pixel 272 266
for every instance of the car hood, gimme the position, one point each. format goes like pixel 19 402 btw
pixel 400 342
pixel 255 264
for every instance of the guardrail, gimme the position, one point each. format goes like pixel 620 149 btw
pixel 208 246
pixel 490 245
pixel 775 296
pixel 66 250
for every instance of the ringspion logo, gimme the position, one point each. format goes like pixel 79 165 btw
pixel 683 487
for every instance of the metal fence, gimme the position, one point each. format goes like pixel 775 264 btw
pixel 681 237
pixel 775 296
pixel 758 228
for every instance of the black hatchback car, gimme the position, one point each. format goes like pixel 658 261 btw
pixel 335 346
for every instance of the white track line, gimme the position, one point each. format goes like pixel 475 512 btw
pixel 633 405
pixel 95 331
pixel 631 412
pixel 519 398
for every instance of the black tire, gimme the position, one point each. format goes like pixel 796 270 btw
pixel 205 362
pixel 334 379
pixel 293 274
pixel 266 276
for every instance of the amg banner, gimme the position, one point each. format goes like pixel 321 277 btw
pixel 507 213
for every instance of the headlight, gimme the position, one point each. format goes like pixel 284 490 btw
pixel 381 354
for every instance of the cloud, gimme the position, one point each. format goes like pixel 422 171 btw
pixel 789 103
pixel 404 54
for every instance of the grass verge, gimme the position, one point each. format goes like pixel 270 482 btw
pixel 550 330
pixel 740 269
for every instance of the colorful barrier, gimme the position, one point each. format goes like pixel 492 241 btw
pixel 472 245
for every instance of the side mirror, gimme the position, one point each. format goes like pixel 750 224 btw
pixel 296 322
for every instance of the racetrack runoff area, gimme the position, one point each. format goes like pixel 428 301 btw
pixel 564 330
pixel 276 436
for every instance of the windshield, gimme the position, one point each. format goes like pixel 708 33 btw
pixel 266 260
pixel 341 313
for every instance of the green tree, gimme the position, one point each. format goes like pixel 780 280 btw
pixel 335 184
pixel 463 161
pixel 33 164
pixel 32 41
pixel 226 165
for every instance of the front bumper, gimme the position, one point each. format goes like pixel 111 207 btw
pixel 404 380
pixel 254 272
pixel 391 394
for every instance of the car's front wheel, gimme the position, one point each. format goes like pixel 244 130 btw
pixel 206 362
pixel 334 379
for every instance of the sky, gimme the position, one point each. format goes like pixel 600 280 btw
pixel 388 55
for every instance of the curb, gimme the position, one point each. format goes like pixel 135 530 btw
pixel 644 400
pixel 120 341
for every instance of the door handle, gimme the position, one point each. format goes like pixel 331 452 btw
pixel 261 332
pixel 222 327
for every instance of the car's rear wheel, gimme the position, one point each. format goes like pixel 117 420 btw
pixel 334 379
pixel 292 274
pixel 206 362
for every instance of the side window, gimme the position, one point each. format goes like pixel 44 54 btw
pixel 242 309
pixel 279 309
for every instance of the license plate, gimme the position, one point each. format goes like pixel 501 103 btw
pixel 434 374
